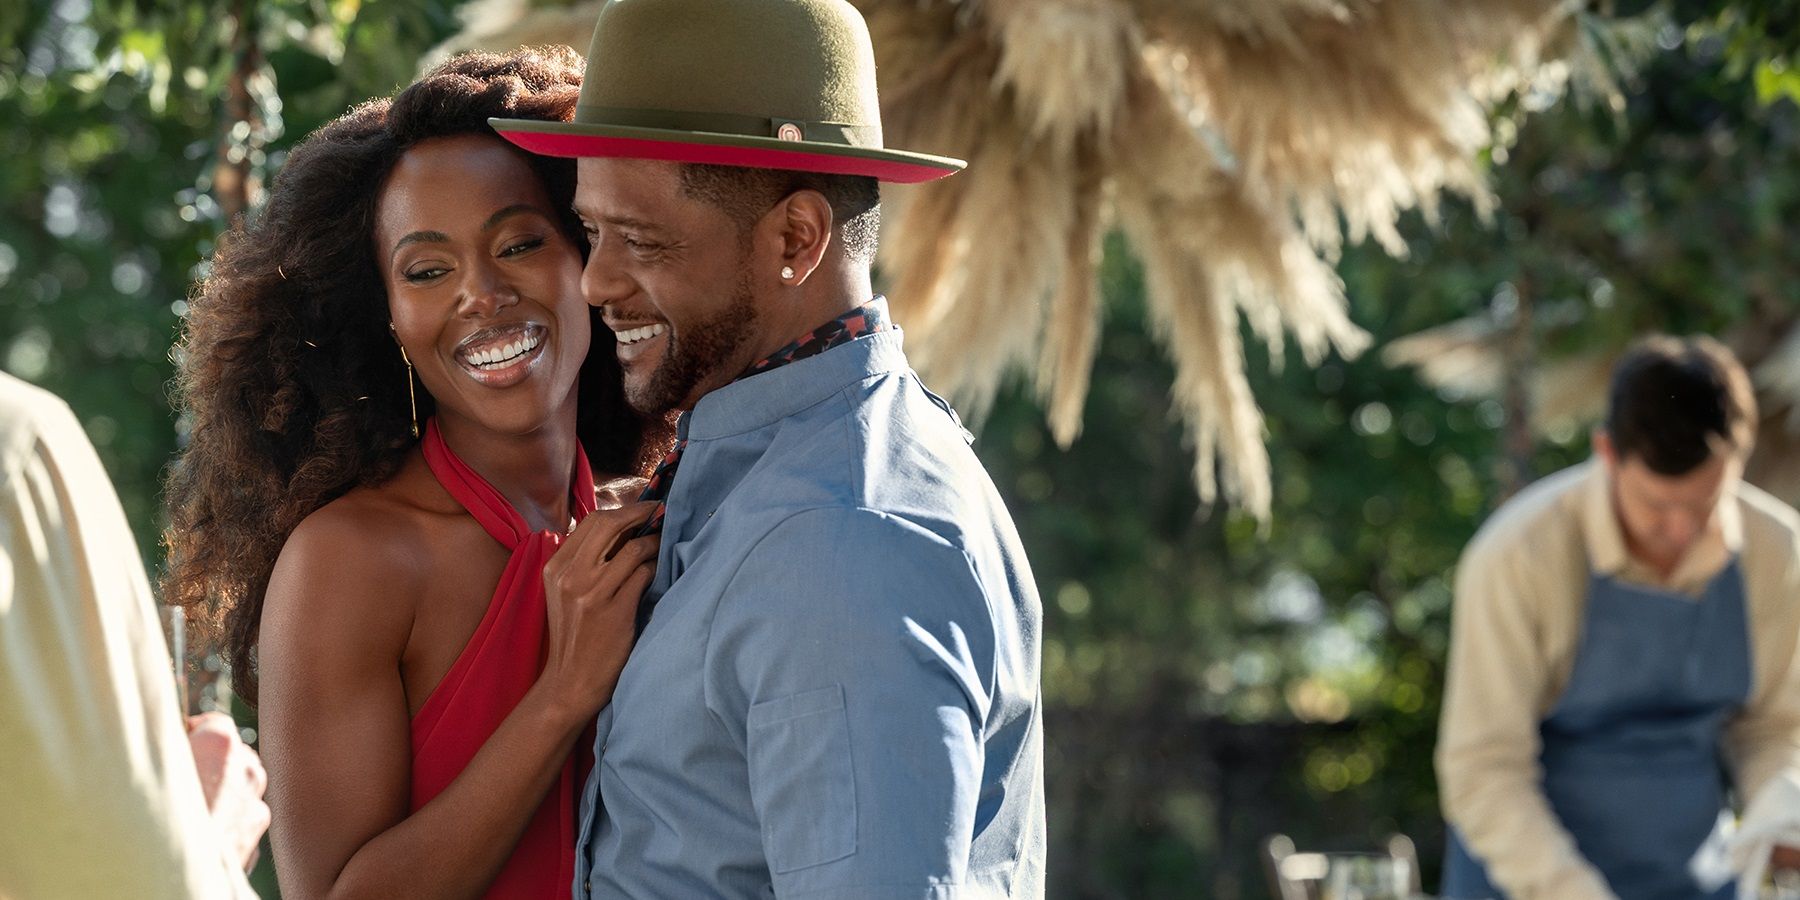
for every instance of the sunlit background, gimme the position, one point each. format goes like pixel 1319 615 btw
pixel 1211 677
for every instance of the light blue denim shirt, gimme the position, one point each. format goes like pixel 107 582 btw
pixel 838 693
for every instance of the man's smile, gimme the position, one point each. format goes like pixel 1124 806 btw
pixel 632 342
pixel 642 333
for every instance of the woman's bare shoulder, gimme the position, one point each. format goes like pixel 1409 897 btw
pixel 369 527
pixel 357 561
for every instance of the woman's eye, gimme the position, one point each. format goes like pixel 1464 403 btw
pixel 524 246
pixel 425 273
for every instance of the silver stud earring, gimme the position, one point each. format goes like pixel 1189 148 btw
pixel 787 273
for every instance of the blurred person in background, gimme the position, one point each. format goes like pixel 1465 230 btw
pixel 101 792
pixel 1623 649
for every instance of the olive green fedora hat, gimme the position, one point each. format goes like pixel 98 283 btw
pixel 772 84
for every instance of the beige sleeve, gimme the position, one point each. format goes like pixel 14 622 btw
pixel 100 797
pixel 1487 755
pixel 1765 740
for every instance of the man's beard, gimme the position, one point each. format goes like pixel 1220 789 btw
pixel 697 351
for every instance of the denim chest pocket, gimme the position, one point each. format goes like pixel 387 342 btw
pixel 801 778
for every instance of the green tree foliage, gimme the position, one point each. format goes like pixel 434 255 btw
pixel 116 123
pixel 1208 682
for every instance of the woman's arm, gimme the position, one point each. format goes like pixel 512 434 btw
pixel 335 722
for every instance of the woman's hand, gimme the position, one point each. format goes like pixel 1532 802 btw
pixel 592 586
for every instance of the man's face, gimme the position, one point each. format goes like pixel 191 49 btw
pixel 671 276
pixel 1663 515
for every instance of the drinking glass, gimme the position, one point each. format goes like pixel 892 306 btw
pixel 174 624
pixel 1367 876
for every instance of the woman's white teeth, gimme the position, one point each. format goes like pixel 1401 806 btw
pixel 505 354
pixel 633 335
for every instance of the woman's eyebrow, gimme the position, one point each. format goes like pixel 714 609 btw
pixel 438 237
pixel 420 237
pixel 508 212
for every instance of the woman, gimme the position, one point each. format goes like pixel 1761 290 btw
pixel 390 388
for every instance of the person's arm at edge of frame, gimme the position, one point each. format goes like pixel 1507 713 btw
pixel 893 616
pixel 1489 776
pixel 99 716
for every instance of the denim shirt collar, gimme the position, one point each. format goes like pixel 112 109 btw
pixel 766 398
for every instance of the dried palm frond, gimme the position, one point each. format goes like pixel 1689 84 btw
pixel 1072 329
pixel 1777 379
pixel 1467 358
pixel 1235 144
pixel 1213 239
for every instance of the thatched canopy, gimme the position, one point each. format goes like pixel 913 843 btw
pixel 1236 145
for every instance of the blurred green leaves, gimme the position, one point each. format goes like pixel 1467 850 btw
pixel 1760 39
pixel 1208 681
pixel 114 125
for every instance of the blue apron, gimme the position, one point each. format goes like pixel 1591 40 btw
pixel 1631 757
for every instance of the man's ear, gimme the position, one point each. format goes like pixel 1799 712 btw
pixel 803 225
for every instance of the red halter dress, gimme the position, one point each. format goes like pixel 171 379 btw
pixel 496 668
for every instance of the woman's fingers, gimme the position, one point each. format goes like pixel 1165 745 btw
pixel 637 583
pixel 604 583
pixel 582 578
pixel 602 531
pixel 597 537
pixel 593 601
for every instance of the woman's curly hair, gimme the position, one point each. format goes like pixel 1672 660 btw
pixel 288 377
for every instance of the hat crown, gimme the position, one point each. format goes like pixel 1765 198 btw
pixel 767 62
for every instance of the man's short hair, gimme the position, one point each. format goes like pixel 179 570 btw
pixel 745 194
pixel 1674 402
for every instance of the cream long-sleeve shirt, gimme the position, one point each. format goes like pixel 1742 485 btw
pixel 99 796
pixel 1521 590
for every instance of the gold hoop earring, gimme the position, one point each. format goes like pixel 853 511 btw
pixel 411 400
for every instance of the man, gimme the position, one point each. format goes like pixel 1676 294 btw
pixel 1624 631
pixel 836 693
pixel 103 795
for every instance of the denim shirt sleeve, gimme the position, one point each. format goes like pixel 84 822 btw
pixel 853 655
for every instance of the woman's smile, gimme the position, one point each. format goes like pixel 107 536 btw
pixel 503 355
